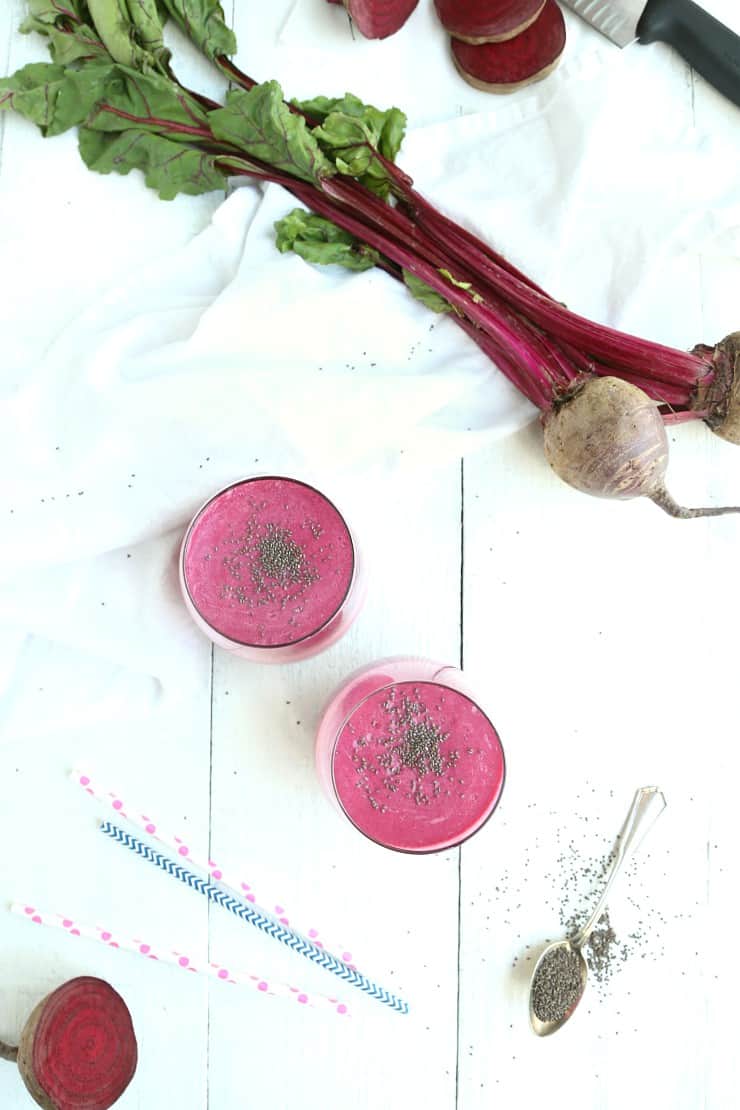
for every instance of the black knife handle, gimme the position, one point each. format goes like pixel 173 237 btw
pixel 701 40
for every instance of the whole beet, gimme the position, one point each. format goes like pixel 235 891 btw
pixel 606 437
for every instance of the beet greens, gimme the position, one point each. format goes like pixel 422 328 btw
pixel 111 77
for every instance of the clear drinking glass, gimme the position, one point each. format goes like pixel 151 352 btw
pixel 410 758
pixel 270 570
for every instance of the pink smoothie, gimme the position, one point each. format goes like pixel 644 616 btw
pixel 268 563
pixel 411 759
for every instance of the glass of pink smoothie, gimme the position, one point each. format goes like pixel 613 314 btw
pixel 409 757
pixel 270 570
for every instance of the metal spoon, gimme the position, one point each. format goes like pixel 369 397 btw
pixel 647 806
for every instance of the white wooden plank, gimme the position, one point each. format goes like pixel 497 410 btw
pixel 397 914
pixel 719 268
pixel 581 615
pixel 558 593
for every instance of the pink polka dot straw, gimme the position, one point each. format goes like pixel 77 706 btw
pixel 186 850
pixel 224 974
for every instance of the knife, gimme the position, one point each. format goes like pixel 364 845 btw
pixel 706 44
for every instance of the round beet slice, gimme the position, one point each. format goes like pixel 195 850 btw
pixel 478 21
pixel 377 19
pixel 506 66
pixel 78 1049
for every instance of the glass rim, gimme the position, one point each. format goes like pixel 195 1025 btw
pixel 453 843
pixel 307 635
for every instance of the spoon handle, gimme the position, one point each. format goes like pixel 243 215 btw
pixel 647 806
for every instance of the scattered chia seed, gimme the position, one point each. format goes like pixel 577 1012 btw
pixel 604 952
pixel 557 984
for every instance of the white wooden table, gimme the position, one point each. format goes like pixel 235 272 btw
pixel 604 639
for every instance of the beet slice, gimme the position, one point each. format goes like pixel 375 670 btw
pixel 377 19
pixel 78 1049
pixel 506 66
pixel 478 21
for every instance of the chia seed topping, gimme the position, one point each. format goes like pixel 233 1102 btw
pixel 281 558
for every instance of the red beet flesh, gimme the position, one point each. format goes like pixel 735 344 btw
pixel 505 66
pixel 478 21
pixel 377 19
pixel 82 1052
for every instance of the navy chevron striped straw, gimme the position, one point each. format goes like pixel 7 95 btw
pixel 255 917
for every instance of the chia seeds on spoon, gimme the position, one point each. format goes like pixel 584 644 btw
pixel 557 984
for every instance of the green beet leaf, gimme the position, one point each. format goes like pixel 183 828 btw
pixel 104 97
pixel 318 240
pixel 69 46
pixel 203 21
pixel 386 129
pixel 260 123
pixel 351 134
pixel 126 31
pixel 52 97
pixel 55 13
pixel 33 92
pixel 149 101
pixel 70 37
pixel 169 167
pixel 147 23
pixel 426 294
pixel 466 285
pixel 113 24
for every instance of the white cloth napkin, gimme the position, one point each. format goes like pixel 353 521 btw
pixel 227 358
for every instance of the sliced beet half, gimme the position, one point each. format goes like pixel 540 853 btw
pixel 505 66
pixel 478 21
pixel 377 19
pixel 78 1048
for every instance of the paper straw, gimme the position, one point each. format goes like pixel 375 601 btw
pixel 73 927
pixel 253 916
pixel 200 860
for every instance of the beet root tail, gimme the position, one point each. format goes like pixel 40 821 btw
pixel 663 499
pixel 7 1052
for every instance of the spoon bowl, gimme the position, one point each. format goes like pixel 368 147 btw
pixel 556 1007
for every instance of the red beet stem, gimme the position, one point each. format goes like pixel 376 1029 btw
pixel 540 395
pixel 555 360
pixel 668 375
pixel 680 416
pixel 509 332
pixel 614 348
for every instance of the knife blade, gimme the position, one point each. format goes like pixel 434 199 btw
pixel 706 44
